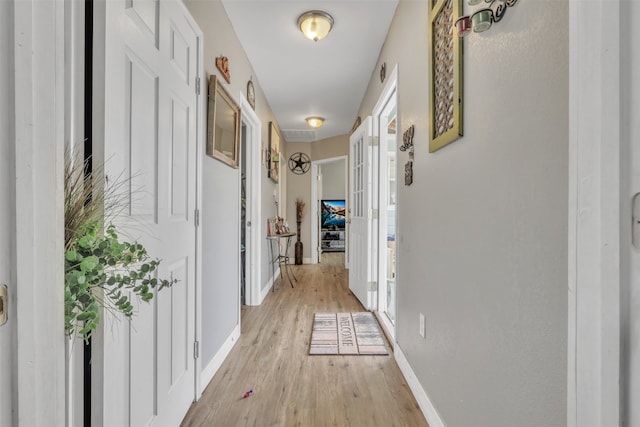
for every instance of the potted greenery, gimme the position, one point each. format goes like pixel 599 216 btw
pixel 101 270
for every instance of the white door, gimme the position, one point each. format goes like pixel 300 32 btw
pixel 360 214
pixel 7 206
pixel 318 202
pixel 151 123
pixel 631 94
pixel 6 226
pixel 5 276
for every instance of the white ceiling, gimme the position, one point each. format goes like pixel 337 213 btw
pixel 302 78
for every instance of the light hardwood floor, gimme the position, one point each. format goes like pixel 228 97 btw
pixel 292 388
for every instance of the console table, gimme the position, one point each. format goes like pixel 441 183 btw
pixel 278 257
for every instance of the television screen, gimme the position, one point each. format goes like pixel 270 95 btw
pixel 333 214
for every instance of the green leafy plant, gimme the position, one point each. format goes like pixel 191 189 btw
pixel 101 271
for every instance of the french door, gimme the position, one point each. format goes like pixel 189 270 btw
pixel 360 215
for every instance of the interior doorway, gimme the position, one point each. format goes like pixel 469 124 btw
pixel 328 208
pixel 385 131
pixel 243 214
pixel 250 207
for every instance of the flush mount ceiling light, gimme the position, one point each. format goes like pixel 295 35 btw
pixel 315 122
pixel 315 24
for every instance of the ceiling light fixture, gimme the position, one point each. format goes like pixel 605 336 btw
pixel 315 122
pixel 315 24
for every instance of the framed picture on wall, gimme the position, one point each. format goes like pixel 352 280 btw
pixel 223 125
pixel 445 74
pixel 273 158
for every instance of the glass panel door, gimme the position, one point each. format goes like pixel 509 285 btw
pixel 387 206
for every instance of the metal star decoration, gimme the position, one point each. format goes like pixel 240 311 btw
pixel 299 163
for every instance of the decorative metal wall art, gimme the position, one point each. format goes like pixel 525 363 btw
pixel 299 163
pixel 407 144
pixel 251 93
pixel 407 140
pixel 445 74
pixel 383 72
pixel 222 64
pixel 408 173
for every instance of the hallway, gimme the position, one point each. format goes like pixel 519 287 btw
pixel 292 388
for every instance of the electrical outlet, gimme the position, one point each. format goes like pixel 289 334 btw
pixel 422 325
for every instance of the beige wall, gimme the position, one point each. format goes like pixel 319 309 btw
pixel 482 249
pixel 221 187
pixel 331 147
pixel 300 185
pixel 334 179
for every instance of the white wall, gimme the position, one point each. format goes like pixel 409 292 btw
pixel 482 249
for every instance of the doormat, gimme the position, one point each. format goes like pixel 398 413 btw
pixel 346 333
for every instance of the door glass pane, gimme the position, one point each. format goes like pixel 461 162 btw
pixel 390 207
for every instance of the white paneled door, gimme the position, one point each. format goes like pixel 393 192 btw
pixel 6 203
pixel 151 122
pixel 360 214
pixel 631 111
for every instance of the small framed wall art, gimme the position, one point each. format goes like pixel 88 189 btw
pixel 273 157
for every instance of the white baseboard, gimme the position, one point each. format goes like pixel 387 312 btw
pixel 429 411
pixel 265 291
pixel 210 370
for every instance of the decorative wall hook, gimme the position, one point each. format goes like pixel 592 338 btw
pixel 407 140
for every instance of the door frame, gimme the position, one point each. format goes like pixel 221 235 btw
pixel 253 246
pixel 315 225
pixel 390 91
pixel 201 134
pixel 36 303
pixel 594 252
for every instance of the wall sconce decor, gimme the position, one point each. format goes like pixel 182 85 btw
pixel 383 72
pixel 445 74
pixel 482 19
pixel 222 64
